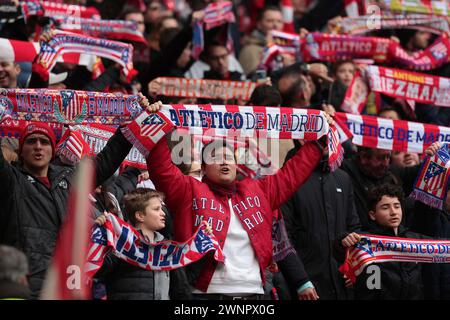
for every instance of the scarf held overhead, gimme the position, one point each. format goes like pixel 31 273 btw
pixel 405 85
pixel 330 47
pixel 68 106
pixel 68 42
pixel 431 184
pixel 208 89
pixel 377 249
pixel 388 134
pixel 233 121
pixel 128 244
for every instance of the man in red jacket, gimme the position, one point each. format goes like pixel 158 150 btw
pixel 240 213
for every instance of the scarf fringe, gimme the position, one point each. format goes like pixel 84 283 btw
pixel 427 199
pixel 135 141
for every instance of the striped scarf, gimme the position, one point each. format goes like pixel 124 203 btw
pixel 216 14
pixel 405 85
pixel 207 89
pixel 233 122
pixel 388 134
pixel 377 249
pixel 431 184
pixel 52 9
pixel 360 25
pixel 436 7
pixel 97 135
pixel 129 245
pixel 330 47
pixel 67 42
pixel 109 29
pixel 68 106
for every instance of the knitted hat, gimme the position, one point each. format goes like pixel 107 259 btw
pixel 38 127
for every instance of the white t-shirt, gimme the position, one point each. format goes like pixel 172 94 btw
pixel 240 273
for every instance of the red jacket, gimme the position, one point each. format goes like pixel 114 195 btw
pixel 255 201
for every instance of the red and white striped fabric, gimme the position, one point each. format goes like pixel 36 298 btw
pixel 24 51
pixel 436 7
pixel 72 147
pixel 205 88
pixel 360 25
pixel 65 278
pixel 97 136
pixel 18 51
pixel 378 249
pixel 129 245
pixel 52 9
pixel 232 122
pixel 288 15
pixel 431 184
pixel 405 85
pixel 108 29
pixel 387 134
pixel 64 42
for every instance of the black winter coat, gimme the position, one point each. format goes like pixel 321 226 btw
pixel 362 184
pixel 321 211
pixel 399 280
pixel 31 214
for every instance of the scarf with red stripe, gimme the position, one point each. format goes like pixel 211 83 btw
pixel 207 89
pixel 332 48
pixel 360 25
pixel 52 9
pixel 431 184
pixel 68 106
pixel 216 14
pixel 67 42
pixel 378 249
pixel 233 121
pixel 109 29
pixel 436 7
pixel 126 243
pixel 80 141
pixel 388 134
pixel 405 85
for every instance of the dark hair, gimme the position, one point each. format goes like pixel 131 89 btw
pixel 213 43
pixel 129 9
pixel 137 200
pixel 167 35
pixel 387 189
pixel 265 95
pixel 337 64
pixel 261 13
pixel 216 145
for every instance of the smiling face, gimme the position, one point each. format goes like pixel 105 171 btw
pixel 388 212
pixel 220 166
pixel 9 71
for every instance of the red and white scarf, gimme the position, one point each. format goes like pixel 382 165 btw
pixel 126 243
pixel 332 47
pixel 378 249
pixel 68 106
pixel 208 89
pixel 432 181
pixel 387 134
pixel 97 135
pixel 233 122
pixel 360 25
pixel 405 85
pixel 109 29
pixel 67 42
pixel 216 14
pixel 436 7
pixel 52 9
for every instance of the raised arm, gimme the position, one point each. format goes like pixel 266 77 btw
pixel 282 185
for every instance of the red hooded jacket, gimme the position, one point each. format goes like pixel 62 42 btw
pixel 254 201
